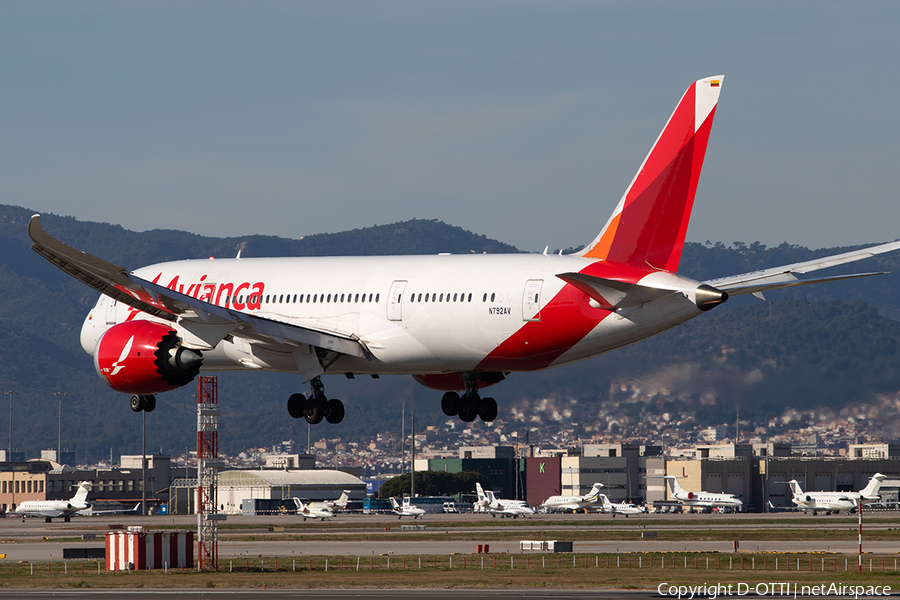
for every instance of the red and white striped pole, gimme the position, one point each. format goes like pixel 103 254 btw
pixel 859 516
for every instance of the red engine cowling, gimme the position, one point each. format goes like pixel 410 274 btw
pixel 143 357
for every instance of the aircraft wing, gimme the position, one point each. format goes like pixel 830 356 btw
pixel 775 278
pixel 207 321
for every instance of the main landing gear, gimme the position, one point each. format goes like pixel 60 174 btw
pixel 317 406
pixel 470 405
pixel 143 402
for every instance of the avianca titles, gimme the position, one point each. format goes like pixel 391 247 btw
pixel 456 323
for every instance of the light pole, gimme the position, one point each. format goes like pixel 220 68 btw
pixel 10 393
pixel 60 396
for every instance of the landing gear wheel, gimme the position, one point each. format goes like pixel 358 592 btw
pixel 468 408
pixel 143 402
pixel 67 519
pixel 314 410
pixel 295 405
pixel 334 411
pixel 487 409
pixel 450 404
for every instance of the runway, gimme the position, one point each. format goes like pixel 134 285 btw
pixel 26 541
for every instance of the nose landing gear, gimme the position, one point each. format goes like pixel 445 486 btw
pixel 316 406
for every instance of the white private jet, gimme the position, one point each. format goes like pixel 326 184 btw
pixel 701 499
pixel 50 509
pixel 619 508
pixel 456 323
pixel 406 509
pixel 497 506
pixel 835 502
pixel 333 505
pixel 565 503
pixel 309 512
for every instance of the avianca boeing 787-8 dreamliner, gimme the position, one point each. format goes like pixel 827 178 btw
pixel 455 323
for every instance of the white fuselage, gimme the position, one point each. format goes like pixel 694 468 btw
pixel 49 508
pixel 415 314
pixel 708 500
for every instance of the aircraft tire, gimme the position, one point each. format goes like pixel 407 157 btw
pixel 334 411
pixel 137 403
pixel 468 408
pixel 149 403
pixel 67 519
pixel 450 404
pixel 295 405
pixel 314 410
pixel 487 409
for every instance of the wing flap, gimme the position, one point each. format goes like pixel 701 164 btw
pixel 784 276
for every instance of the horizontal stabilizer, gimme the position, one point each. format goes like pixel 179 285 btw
pixel 611 294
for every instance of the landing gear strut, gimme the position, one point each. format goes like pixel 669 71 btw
pixel 143 402
pixel 316 406
pixel 470 405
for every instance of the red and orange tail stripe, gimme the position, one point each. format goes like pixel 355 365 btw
pixel 649 225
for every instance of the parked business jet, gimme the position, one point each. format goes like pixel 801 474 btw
pixel 57 508
pixel 309 512
pixel 554 503
pixel 456 323
pixel 406 509
pixel 619 508
pixel 835 502
pixel 498 506
pixel 701 499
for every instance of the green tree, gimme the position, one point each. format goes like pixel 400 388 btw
pixel 434 483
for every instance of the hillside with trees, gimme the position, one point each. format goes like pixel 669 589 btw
pixel 822 345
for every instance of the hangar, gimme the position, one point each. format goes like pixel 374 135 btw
pixel 236 486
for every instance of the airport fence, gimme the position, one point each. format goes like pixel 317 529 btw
pixel 678 561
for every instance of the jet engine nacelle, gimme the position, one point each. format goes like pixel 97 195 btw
pixel 808 498
pixel 690 495
pixel 143 357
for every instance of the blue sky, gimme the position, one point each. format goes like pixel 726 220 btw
pixel 522 121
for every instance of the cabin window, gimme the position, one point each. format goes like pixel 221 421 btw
pixel 441 299
pixel 454 297
pixel 492 297
pixel 342 297
pixel 329 298
pixel 484 298
pixel 357 298
pixel 281 299
pixel 377 297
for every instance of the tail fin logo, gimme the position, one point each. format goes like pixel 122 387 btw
pixel 648 227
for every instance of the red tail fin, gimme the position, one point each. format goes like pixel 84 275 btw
pixel 648 227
